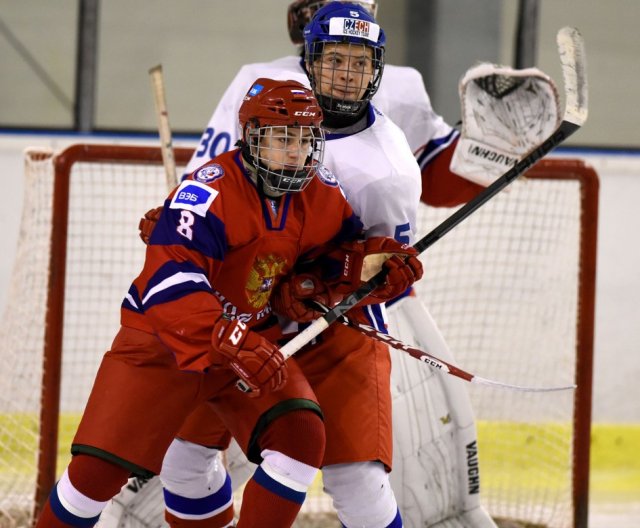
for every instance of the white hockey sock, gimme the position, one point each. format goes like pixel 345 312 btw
pixel 196 484
pixel 362 495
pixel 71 506
pixel 287 471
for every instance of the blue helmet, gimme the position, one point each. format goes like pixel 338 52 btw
pixel 344 55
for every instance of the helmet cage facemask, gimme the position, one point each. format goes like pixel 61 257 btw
pixel 281 181
pixel 331 104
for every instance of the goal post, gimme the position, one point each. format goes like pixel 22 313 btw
pixel 512 289
pixel 54 324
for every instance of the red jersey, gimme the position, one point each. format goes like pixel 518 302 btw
pixel 221 247
pixel 440 186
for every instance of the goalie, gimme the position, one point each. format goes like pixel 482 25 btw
pixel 505 113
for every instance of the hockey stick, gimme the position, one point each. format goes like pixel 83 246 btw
pixel 436 362
pixel 166 141
pixel 573 61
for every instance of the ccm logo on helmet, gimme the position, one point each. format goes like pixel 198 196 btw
pixel 305 114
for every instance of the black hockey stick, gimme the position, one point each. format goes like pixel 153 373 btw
pixel 573 61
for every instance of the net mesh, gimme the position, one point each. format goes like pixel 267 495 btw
pixel 499 85
pixel 502 286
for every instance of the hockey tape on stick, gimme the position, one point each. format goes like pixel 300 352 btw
pixel 573 60
pixel 166 141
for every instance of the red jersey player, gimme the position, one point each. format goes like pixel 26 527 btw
pixel 198 317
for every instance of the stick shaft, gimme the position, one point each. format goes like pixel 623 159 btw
pixel 162 115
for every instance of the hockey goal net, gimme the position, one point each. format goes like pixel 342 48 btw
pixel 512 289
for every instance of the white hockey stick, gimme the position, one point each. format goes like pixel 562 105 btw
pixel 166 140
pixel 573 60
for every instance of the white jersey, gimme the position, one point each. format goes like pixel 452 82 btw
pixel 373 164
pixel 401 96
pixel 377 170
pixel 379 175
pixel 382 182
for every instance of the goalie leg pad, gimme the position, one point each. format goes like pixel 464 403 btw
pixel 196 485
pixel 238 466
pixel 362 495
pixel 436 474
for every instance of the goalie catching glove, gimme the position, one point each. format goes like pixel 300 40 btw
pixel 505 114
pixel 257 361
pixel 342 271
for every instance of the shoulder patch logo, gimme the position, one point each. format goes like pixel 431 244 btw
pixel 255 89
pixel 210 173
pixel 326 176
pixel 193 196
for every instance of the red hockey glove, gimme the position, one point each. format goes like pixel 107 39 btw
pixel 401 274
pixel 255 360
pixel 290 295
pixel 148 223
pixel 362 259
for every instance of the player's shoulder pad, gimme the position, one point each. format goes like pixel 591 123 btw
pixel 403 73
pixel 193 196
pixel 326 176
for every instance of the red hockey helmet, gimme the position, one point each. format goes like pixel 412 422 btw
pixel 301 12
pixel 281 135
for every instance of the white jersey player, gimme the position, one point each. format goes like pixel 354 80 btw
pixel 381 179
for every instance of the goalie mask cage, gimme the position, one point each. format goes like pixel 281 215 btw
pixel 512 289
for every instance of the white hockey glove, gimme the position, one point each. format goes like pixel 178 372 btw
pixel 505 113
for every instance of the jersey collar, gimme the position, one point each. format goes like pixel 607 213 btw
pixel 370 117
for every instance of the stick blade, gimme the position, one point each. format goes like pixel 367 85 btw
pixel 521 388
pixel 574 70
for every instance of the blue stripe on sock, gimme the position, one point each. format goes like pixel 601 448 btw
pixel 200 506
pixel 261 477
pixel 66 516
